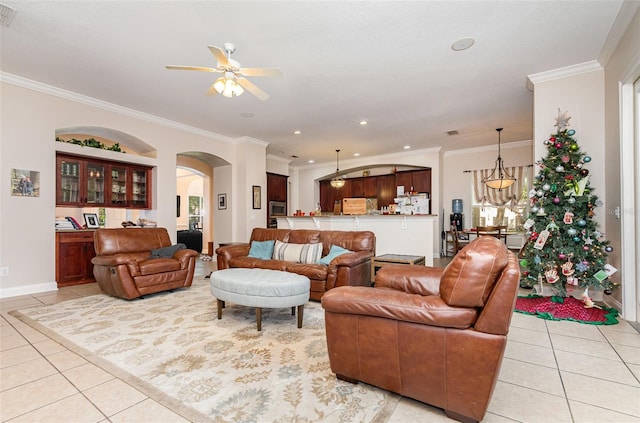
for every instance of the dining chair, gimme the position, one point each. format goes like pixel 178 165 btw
pixel 458 242
pixel 499 232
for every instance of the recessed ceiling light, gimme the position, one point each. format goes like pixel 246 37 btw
pixel 363 122
pixel 312 161
pixel 406 147
pixel 297 132
pixel 356 154
pixel 463 44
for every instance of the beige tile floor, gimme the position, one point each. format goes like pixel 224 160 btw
pixel 552 372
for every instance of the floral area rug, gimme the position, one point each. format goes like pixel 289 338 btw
pixel 566 308
pixel 172 347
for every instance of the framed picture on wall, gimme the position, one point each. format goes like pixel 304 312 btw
pixel 256 197
pixel 222 201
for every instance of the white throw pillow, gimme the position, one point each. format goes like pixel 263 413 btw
pixel 300 253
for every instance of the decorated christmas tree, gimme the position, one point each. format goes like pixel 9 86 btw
pixel 564 248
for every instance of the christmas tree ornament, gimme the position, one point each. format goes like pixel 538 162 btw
pixel 572 231
pixel 537 260
pixel 608 291
pixel 533 236
pixel 571 200
pixel 582 222
pixel 584 172
pixel 554 188
pixel 562 121
pixel 546 187
pixel 572 280
pixel 565 159
pixel 532 193
pixel 524 262
pixel 574 147
pixel 576 239
pixel 559 168
pixel 586 248
pixel 552 276
pixel 582 267
pixel 567 268
pixel 541 240
pixel 535 209
pixel 571 132
pixel 586 159
pixel 588 241
pixel 552 139
pixel 608 249
pixel 540 193
pixel 559 145
pixel 568 219
pixel 562 256
pixel 546 142
pixel 541 212
pixel 556 200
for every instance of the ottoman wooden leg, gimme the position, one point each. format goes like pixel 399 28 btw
pixel 293 311
pixel 220 305
pixel 259 318
pixel 300 313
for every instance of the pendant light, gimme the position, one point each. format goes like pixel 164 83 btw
pixel 499 177
pixel 338 181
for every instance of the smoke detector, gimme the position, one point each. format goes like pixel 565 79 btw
pixel 6 15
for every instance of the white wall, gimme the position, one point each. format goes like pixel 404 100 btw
pixel 30 115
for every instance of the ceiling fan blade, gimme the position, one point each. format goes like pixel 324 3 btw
pixel 193 68
pixel 252 88
pixel 219 55
pixel 260 72
pixel 212 91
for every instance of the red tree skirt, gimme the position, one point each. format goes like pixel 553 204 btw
pixel 565 308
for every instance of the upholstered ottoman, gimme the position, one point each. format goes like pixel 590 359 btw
pixel 260 288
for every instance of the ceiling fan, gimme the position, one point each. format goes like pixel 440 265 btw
pixel 233 81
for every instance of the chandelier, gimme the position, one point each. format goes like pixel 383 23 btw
pixel 499 178
pixel 338 181
pixel 228 86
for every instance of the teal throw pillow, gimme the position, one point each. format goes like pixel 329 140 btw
pixel 261 249
pixel 334 252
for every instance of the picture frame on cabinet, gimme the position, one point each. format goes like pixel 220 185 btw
pixel 257 193
pixel 222 201
pixel 91 220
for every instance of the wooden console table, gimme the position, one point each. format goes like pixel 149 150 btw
pixel 379 261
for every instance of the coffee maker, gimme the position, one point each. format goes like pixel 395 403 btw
pixel 457 218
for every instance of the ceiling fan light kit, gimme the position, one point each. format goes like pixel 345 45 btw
pixel 233 81
pixel 499 178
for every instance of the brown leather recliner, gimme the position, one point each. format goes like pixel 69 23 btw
pixel 432 334
pixel 123 265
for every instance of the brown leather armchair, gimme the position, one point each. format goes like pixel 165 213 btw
pixel 432 334
pixel 124 266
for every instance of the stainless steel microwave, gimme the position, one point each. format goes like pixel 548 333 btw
pixel 277 208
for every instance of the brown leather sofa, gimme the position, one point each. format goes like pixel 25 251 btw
pixel 124 266
pixel 351 269
pixel 435 335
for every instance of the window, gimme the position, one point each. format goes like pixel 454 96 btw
pixel 508 207
pixel 196 212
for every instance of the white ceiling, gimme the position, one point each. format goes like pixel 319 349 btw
pixel 390 63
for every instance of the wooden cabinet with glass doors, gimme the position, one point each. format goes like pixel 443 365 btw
pixel 86 182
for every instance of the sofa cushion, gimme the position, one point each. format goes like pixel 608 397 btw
pixel 158 265
pixel 261 249
pixel 299 253
pixel 167 252
pixel 334 252
pixel 312 271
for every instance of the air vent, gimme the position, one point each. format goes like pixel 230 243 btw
pixel 454 132
pixel 6 15
pixel 293 156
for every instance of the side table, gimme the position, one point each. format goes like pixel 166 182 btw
pixel 379 261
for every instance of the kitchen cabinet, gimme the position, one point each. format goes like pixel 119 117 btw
pixel 83 181
pixel 74 251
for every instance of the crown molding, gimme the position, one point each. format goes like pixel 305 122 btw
pixel 278 159
pixel 485 148
pixel 104 105
pixel 560 73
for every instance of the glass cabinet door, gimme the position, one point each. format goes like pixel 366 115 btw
pixel 69 187
pixel 119 175
pixel 139 188
pixel 95 183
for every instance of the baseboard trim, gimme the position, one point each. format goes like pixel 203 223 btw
pixel 28 289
